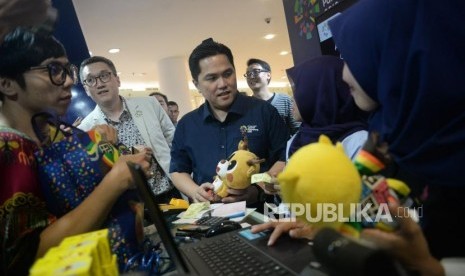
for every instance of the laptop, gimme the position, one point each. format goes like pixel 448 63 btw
pixel 239 252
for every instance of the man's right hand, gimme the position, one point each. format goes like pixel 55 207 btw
pixel 204 193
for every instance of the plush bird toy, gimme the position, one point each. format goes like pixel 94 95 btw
pixel 237 170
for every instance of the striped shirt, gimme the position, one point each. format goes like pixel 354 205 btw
pixel 283 103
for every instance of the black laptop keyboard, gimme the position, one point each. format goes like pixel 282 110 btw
pixel 210 221
pixel 232 256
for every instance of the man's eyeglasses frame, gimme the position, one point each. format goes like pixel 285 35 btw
pixel 254 73
pixel 104 77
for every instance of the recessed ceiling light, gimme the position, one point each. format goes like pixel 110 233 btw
pixel 283 53
pixel 113 51
pixel 269 36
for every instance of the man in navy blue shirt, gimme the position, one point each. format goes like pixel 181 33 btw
pixel 213 131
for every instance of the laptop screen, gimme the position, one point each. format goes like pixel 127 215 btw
pixel 157 217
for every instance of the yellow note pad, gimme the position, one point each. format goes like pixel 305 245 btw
pixel 261 177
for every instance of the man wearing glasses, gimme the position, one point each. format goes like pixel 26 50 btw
pixel 258 77
pixel 140 122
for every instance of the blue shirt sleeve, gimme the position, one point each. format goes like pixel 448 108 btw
pixel 180 160
pixel 278 134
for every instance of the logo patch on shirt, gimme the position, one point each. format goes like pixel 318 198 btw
pixel 139 113
pixel 249 129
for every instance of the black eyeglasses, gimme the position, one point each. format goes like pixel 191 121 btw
pixel 254 73
pixel 92 81
pixel 57 72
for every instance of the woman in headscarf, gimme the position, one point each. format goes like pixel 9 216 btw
pixel 405 62
pixel 323 103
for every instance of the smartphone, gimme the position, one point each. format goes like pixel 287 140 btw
pixel 194 228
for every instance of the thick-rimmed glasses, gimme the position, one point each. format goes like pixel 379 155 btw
pixel 254 73
pixel 57 72
pixel 92 81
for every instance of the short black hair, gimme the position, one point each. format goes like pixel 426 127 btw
pixel 262 63
pixel 96 59
pixel 172 103
pixel 161 95
pixel 22 49
pixel 207 48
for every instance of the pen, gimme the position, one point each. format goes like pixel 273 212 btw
pixel 241 214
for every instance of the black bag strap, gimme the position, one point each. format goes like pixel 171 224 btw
pixel 40 121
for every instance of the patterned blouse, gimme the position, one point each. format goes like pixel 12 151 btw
pixel 23 215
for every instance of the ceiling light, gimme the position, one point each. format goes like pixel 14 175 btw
pixel 113 51
pixel 283 53
pixel 269 36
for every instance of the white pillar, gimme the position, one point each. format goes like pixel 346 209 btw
pixel 173 80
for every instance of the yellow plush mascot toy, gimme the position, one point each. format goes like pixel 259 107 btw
pixel 237 170
pixel 320 174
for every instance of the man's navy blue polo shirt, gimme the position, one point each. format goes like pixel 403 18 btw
pixel 201 141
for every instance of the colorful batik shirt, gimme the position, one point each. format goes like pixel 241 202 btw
pixel 23 215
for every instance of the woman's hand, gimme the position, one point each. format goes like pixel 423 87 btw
pixel 296 229
pixel 407 244
pixel 141 148
pixel 273 187
pixel 120 174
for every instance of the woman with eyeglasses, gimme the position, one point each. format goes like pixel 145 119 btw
pixel 35 75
